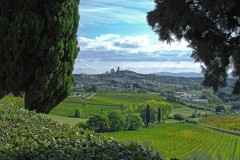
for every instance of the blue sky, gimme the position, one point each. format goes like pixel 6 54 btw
pixel 115 33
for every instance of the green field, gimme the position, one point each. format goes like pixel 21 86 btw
pixel 225 122
pixel 181 140
pixel 99 102
pixel 105 102
pixel 15 100
pixel 67 120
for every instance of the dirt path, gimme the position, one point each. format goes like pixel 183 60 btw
pixel 91 96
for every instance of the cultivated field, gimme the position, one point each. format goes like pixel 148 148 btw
pixel 181 140
pixel 226 122
pixel 105 102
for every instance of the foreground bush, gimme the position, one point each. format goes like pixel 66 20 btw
pixel 27 135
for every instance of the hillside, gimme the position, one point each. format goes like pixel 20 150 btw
pixel 30 136
pixel 181 74
pixel 129 81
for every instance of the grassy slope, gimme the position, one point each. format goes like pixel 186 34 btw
pixel 180 140
pixel 27 135
pixel 67 120
pixel 225 122
pixel 104 102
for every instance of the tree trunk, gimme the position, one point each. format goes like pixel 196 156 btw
pixel 28 101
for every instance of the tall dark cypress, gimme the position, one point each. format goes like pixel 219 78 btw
pixel 159 115
pixel 148 115
pixel 38 48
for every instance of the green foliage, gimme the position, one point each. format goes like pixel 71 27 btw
pixel 179 117
pixel 165 109
pixel 159 115
pixel 236 105
pixel 38 48
pixel 220 109
pixel 27 135
pixel 193 121
pixel 148 115
pixel 134 121
pixel 212 98
pixel 114 121
pixel 77 113
pixel 100 123
pixel 15 100
pixel 153 116
pixel 211 29
pixel 117 121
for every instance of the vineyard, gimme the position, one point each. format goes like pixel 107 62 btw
pixel 105 102
pixel 225 122
pixel 181 140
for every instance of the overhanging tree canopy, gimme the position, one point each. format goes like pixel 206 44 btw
pixel 38 48
pixel 212 29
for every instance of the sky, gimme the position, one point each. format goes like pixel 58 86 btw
pixel 115 33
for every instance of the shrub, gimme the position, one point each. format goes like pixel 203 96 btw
pixel 236 105
pixel 220 109
pixel 77 113
pixel 189 120
pixel 134 122
pixel 117 121
pixel 99 123
pixel 27 135
pixel 179 117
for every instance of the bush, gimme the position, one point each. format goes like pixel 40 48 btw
pixel 99 123
pixel 27 135
pixel 117 121
pixel 77 113
pixel 189 120
pixel 179 117
pixel 220 109
pixel 134 122
pixel 236 105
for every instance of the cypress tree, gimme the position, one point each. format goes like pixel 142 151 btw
pixel 38 47
pixel 159 115
pixel 148 115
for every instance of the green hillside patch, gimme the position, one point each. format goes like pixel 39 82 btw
pixel 14 100
pixel 27 135
pixel 230 122
pixel 181 140
pixel 67 120
pixel 103 102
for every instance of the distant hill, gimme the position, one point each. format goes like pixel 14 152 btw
pixel 182 74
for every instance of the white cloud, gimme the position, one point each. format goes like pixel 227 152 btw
pixel 135 53
pixel 111 47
